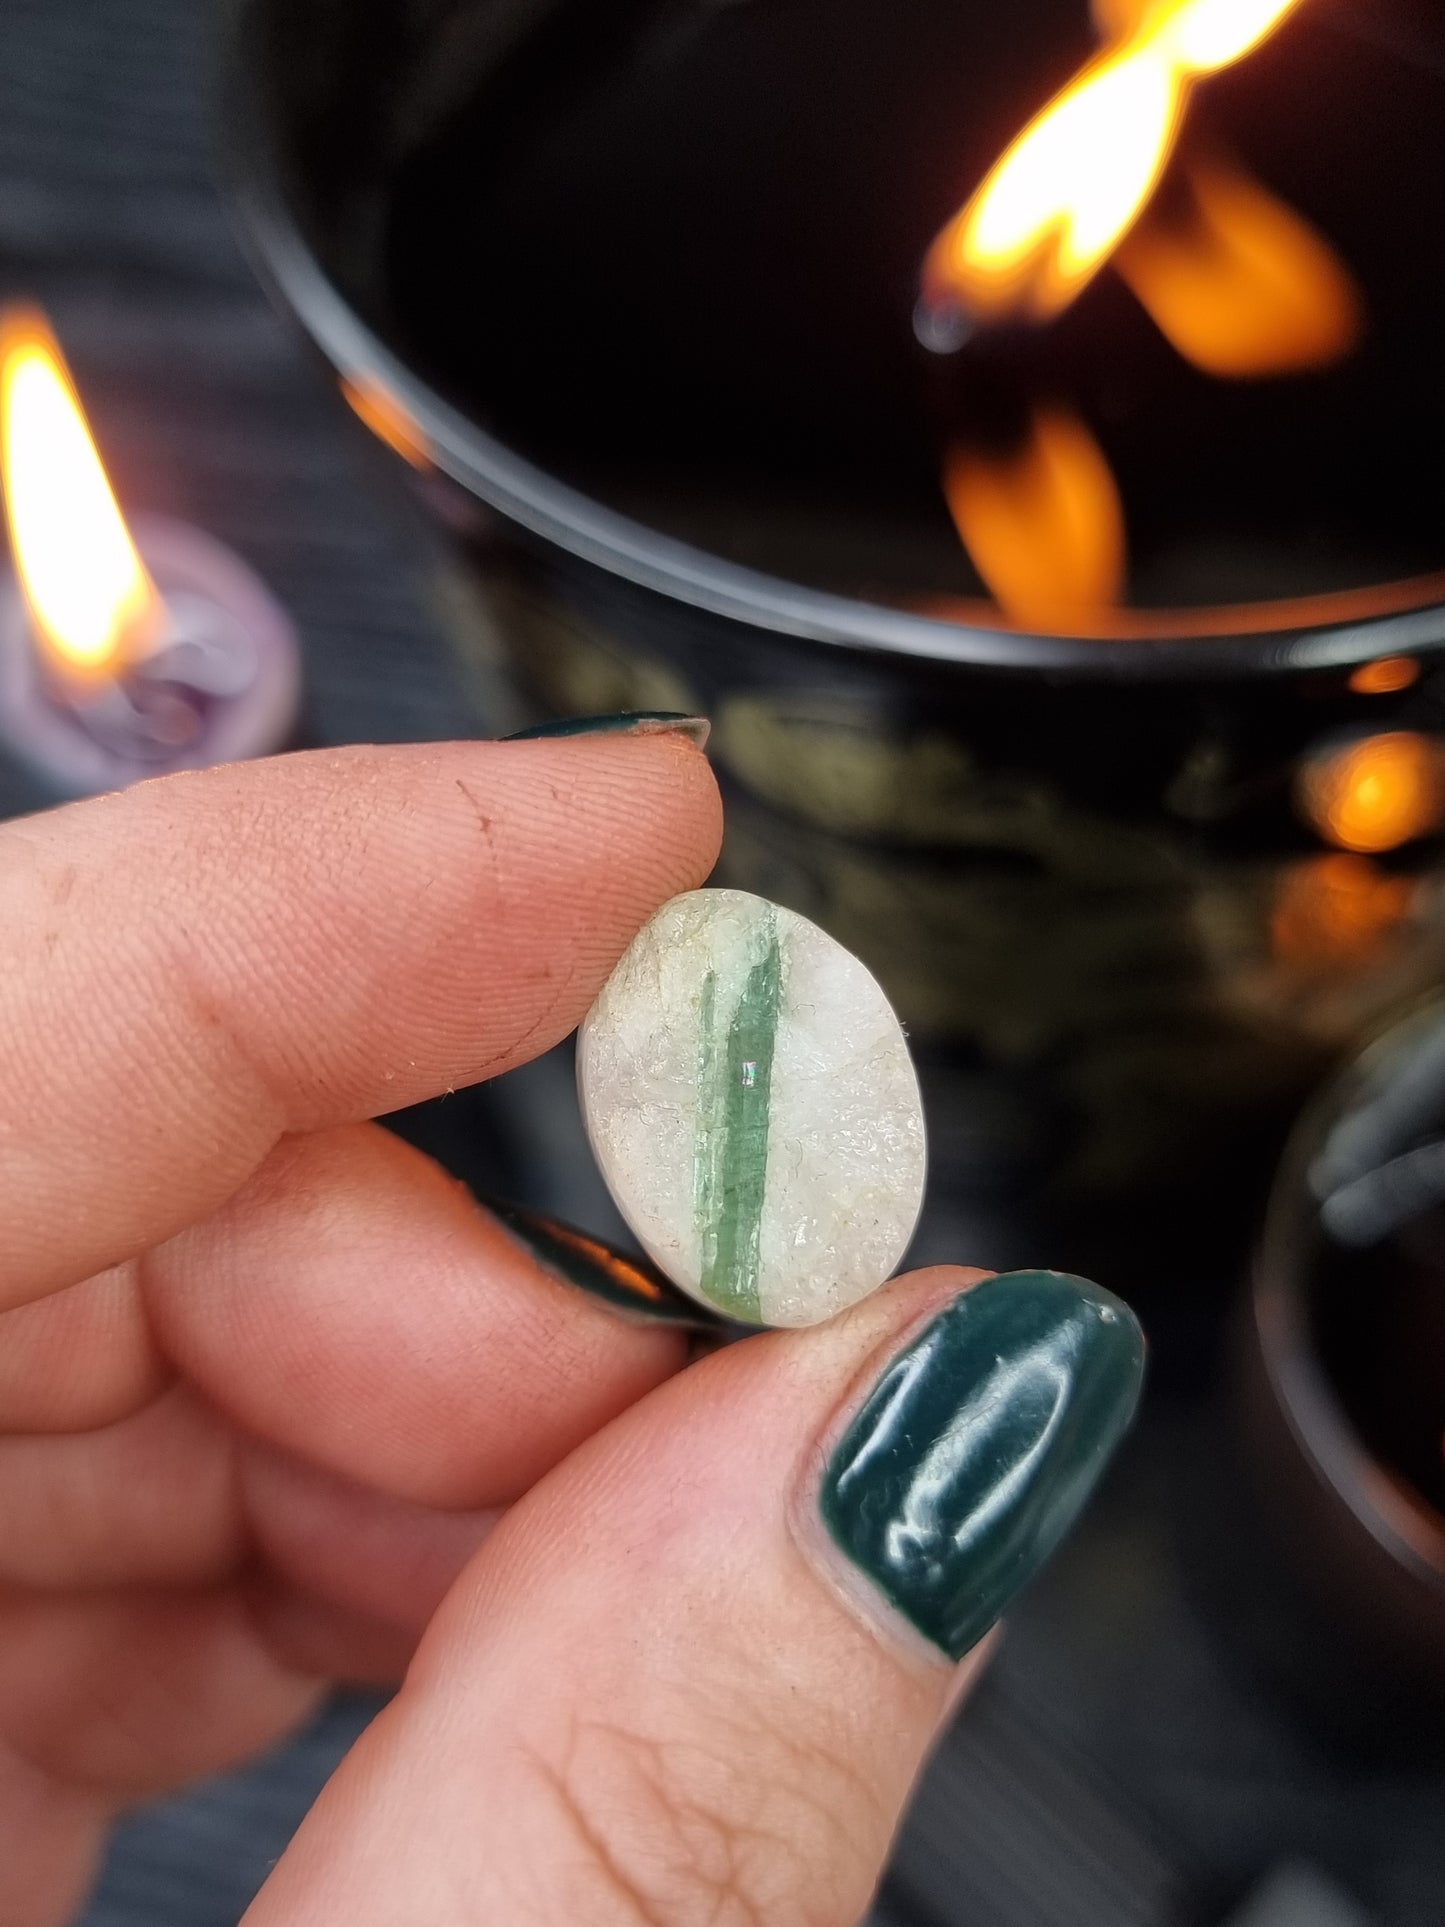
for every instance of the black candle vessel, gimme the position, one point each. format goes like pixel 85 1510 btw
pixel 633 287
pixel 1342 1387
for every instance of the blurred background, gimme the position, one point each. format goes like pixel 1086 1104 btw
pixel 1192 1720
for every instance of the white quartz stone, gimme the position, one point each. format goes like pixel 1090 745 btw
pixel 751 1102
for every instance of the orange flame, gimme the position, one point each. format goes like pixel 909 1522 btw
pixel 91 602
pixel 1246 287
pixel 1069 188
pixel 1376 794
pixel 1044 526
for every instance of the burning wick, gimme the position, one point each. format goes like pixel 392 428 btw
pixel 1061 198
pixel 123 653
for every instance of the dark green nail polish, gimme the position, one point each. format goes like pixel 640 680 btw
pixel 627 1284
pixel 980 1445
pixel 633 722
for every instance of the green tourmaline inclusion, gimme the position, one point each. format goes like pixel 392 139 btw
pixel 730 1142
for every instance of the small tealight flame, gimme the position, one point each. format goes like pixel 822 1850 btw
pixel 1244 287
pixel 1061 198
pixel 91 602
pixel 1044 525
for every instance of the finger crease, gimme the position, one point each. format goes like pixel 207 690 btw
pixel 211 1018
pixel 599 1854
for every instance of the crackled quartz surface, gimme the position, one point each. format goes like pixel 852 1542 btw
pixel 750 1098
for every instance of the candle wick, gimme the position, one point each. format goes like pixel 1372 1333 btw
pixel 943 327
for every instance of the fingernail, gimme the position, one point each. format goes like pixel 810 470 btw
pixel 979 1447
pixel 631 722
pixel 628 1285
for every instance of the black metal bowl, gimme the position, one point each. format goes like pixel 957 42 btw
pixel 1109 879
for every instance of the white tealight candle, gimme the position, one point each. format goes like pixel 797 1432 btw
pixel 221 684
pixel 750 1098
pixel 123 653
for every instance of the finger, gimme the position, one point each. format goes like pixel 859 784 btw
pixel 376 1559
pixel 354 1305
pixel 195 966
pixel 692 1676
pixel 170 1498
pixel 307 1635
pixel 50 1844
pixel 151 1501
pixel 78 1359
pixel 135 1693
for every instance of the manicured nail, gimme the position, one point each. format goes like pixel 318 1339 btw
pixel 632 722
pixel 628 1285
pixel 979 1447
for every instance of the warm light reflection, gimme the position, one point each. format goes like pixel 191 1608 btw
pixel 90 599
pixel 1337 909
pixel 627 1276
pixel 1242 286
pixel 1063 195
pixel 1375 794
pixel 1044 525
pixel 1385 676
pixel 384 415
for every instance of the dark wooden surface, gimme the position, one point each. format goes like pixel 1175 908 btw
pixel 1126 1765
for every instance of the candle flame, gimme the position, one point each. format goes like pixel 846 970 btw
pixel 1070 187
pixel 91 601
pixel 1244 287
pixel 1044 524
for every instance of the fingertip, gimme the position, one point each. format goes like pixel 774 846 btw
pixel 661 780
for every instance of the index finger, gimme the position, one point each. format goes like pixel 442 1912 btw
pixel 192 968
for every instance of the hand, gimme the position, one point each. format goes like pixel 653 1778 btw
pixel 268 1378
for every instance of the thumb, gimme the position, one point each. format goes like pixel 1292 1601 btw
pixel 692 1676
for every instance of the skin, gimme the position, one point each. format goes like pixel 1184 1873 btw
pixel 280 1405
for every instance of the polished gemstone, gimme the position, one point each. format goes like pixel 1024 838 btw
pixel 753 1107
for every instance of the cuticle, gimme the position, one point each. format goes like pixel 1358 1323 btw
pixel 849 1586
